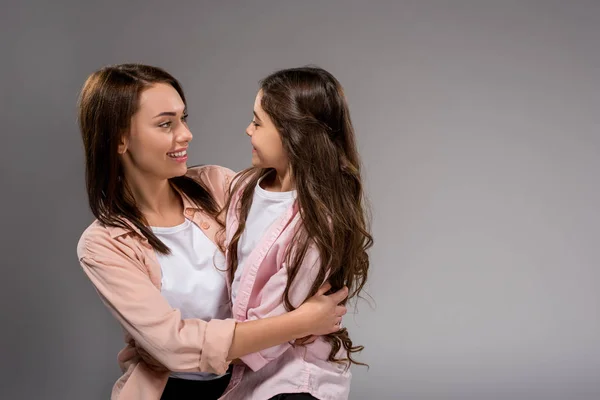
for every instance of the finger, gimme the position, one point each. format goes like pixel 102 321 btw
pixel 310 339
pixel 341 310
pixel 324 289
pixel 340 295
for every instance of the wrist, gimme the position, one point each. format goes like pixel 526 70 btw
pixel 301 322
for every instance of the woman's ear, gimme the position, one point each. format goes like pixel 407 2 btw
pixel 123 143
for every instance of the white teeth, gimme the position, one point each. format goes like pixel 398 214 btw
pixel 178 154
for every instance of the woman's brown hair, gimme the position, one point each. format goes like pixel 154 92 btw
pixel 308 107
pixel 108 100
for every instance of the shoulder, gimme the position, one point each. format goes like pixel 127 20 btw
pixel 243 179
pixel 102 242
pixel 95 232
pixel 214 178
pixel 211 174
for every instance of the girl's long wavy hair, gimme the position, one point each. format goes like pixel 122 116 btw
pixel 308 107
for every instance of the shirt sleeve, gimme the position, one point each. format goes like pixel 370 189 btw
pixel 124 286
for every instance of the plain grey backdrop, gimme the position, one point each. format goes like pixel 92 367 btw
pixel 478 123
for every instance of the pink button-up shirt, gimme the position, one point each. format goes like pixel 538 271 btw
pixel 284 368
pixel 124 269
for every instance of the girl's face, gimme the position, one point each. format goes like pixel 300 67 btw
pixel 156 145
pixel 267 148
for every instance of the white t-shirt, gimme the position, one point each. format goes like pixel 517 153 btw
pixel 191 281
pixel 266 208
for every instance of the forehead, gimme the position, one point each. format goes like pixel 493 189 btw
pixel 257 100
pixel 159 98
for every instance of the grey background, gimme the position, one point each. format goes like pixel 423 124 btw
pixel 478 123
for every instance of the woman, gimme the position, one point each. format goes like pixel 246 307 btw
pixel 151 251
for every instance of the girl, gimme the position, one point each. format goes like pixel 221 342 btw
pixel 296 219
pixel 150 251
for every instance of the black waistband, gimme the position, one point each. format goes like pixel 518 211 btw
pixel 182 389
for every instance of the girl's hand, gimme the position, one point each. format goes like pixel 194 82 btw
pixel 321 314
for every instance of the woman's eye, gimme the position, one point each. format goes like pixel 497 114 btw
pixel 184 117
pixel 255 123
pixel 165 124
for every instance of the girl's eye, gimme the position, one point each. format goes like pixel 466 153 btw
pixel 165 124
pixel 255 123
pixel 184 117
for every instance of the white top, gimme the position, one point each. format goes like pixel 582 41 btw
pixel 266 208
pixel 191 281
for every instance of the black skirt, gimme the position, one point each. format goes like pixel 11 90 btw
pixel 184 389
pixel 294 396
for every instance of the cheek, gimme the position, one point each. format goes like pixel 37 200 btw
pixel 158 140
pixel 150 145
pixel 278 144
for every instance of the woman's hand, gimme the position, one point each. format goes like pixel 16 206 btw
pixel 321 314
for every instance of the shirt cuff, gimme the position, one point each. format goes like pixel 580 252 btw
pixel 217 341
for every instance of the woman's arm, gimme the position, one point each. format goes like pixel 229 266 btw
pixel 272 304
pixel 319 315
pixel 184 345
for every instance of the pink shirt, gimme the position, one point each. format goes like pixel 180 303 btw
pixel 283 368
pixel 124 269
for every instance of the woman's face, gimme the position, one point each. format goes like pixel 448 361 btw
pixel 156 145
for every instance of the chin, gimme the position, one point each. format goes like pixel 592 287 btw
pixel 257 163
pixel 179 171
